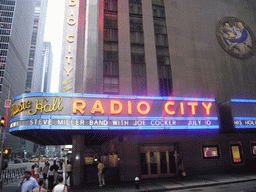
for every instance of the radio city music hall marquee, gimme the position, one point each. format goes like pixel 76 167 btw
pixel 85 111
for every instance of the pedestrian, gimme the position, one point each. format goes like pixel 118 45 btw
pixel 28 183
pixel 45 171
pixel 50 176
pixel 37 172
pixel 60 187
pixel 100 173
pixel 55 167
pixel 60 170
pixel 33 171
pixel 181 171
pixel 69 169
pixel 40 188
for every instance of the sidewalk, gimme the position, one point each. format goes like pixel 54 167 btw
pixel 160 184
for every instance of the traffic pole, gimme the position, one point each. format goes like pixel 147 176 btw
pixel 3 132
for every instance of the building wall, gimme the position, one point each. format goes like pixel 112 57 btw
pixel 200 67
pixel 38 68
pixel 17 58
pixel 189 147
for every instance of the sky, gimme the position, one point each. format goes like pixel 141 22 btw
pixel 53 33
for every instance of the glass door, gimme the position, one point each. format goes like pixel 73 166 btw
pixel 157 161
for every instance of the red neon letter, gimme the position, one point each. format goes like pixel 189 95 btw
pixel 145 112
pixel 129 107
pixel 167 106
pixel 97 107
pixel 118 104
pixel 193 107
pixel 182 112
pixel 78 105
pixel 207 108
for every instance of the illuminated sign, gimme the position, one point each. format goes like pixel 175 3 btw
pixel 85 111
pixel 244 113
pixel 69 45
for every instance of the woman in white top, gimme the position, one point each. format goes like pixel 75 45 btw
pixel 60 187
pixel 50 176
pixel 37 172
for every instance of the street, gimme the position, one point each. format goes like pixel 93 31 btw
pixel 249 186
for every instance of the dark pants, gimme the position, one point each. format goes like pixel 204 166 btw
pixel 44 176
pixel 69 176
pixel 50 182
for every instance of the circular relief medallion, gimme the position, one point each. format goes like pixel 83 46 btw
pixel 235 37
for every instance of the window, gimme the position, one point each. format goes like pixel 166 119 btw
pixel 3 52
pixel 135 7
pixel 136 24
pixel 1 73
pixel 139 80
pixel 3 46
pixel 138 58
pixel 2 59
pixel 211 151
pixel 7 8
pixel 110 35
pixel 5 26
pixel 110 56
pixel 165 83
pixel 158 11
pixel 6 20
pixel 111 69
pixel 5 32
pixel 137 37
pixel 236 153
pixel 7 2
pixel 4 39
pixel 110 21
pixel 2 66
pixel 111 5
pixel 6 14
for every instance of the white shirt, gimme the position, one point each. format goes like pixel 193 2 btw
pixel 59 188
pixel 50 173
pixel 37 170
pixel 69 167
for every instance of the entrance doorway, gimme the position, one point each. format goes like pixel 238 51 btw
pixel 158 161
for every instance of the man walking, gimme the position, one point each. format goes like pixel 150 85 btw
pixel 28 183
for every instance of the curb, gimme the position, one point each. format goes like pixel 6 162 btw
pixel 200 185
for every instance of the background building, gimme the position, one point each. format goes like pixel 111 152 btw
pixel 47 63
pixel 16 30
pixel 35 70
pixel 34 80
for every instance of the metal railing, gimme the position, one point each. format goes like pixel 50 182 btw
pixel 12 174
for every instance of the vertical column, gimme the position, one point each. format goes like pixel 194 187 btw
pixel 78 160
pixel 150 48
pixel 125 76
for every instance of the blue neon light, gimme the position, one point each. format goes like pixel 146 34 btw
pixel 243 100
pixel 112 118
pixel 56 127
pixel 245 126
pixel 244 118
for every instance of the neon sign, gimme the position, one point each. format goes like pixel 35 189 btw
pixel 69 50
pixel 244 113
pixel 85 111
pixel 143 107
